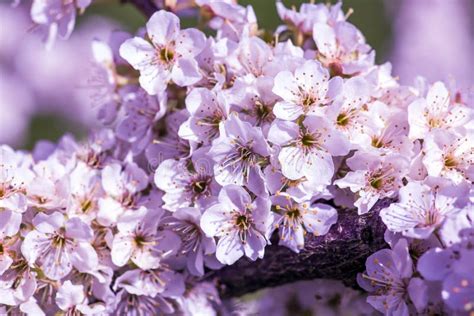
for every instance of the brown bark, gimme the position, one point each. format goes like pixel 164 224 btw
pixel 339 255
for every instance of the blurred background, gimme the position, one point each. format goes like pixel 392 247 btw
pixel 44 94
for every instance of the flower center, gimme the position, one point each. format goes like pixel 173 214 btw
pixel 199 186
pixel 292 183
pixel 242 222
pixel 262 112
pixel 212 121
pixel 86 205
pixel 142 241
pixel 450 162
pixel 335 69
pixel 431 217
pixel 308 140
pixel 58 240
pixel 434 122
pixel 376 183
pixel 342 119
pixel 245 153
pixel 377 142
pixel 128 200
pixel 166 55
pixel 293 213
pixel 308 100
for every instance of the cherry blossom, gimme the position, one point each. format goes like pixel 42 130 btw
pixel 304 91
pixel 342 48
pixel 195 245
pixel 207 109
pixel 138 240
pixel 122 186
pixel 239 152
pixel 169 145
pixel 14 178
pixel 389 280
pixel 57 245
pixel 242 226
pixel 450 155
pixel 142 111
pixel 421 210
pixel 307 149
pixel 71 299
pixel 185 183
pixel 170 54
pixel 57 15
pixel 309 14
pixel 435 111
pixel 373 178
pixel 296 218
pixel 452 267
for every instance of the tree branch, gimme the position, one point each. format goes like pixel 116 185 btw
pixel 147 7
pixel 339 255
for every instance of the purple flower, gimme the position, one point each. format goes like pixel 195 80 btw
pixel 202 298
pixel 242 226
pixel 450 155
pixel 71 298
pixel 139 240
pixel 301 188
pixel 59 16
pixel 85 189
pixel 253 55
pixel 151 282
pixel 309 14
pixel 57 245
pixel 255 102
pixel 373 177
pixel 420 210
pixel 142 113
pixel 386 133
pixel 17 278
pixel 231 20
pixel 305 91
pixel 187 183
pixel 170 54
pixel 207 108
pixel 122 187
pixel 15 175
pixel 195 245
pixel 239 152
pixel 129 303
pixel 453 268
pixel 389 281
pixel 169 145
pixel 342 48
pixel 436 111
pixel 347 113
pixel 295 218
pixel 307 148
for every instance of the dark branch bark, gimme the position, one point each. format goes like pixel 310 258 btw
pixel 147 7
pixel 340 255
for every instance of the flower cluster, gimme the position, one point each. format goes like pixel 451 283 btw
pixel 211 145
